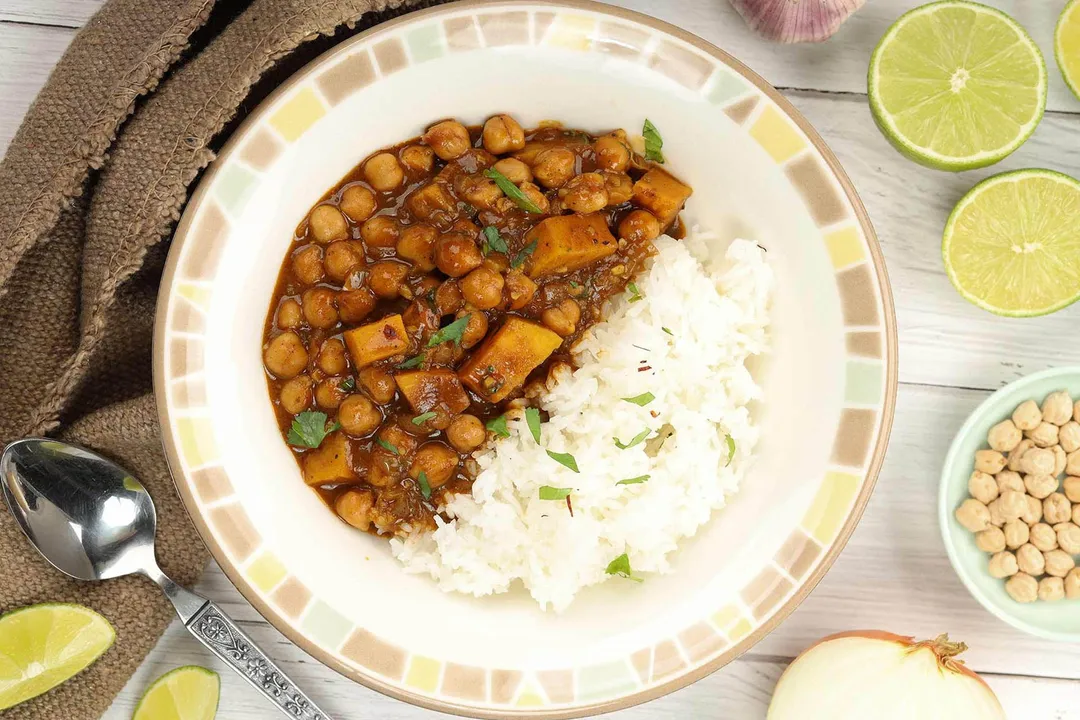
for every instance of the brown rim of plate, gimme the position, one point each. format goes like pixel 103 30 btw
pixel 873 468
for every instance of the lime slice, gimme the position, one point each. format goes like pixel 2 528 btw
pixel 186 693
pixel 1012 245
pixel 956 85
pixel 41 646
pixel 1067 45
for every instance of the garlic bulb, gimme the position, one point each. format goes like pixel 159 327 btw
pixel 796 21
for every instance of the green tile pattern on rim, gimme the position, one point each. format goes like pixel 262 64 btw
pixel 606 680
pixel 234 187
pixel 726 85
pixel 865 382
pixel 326 625
pixel 425 43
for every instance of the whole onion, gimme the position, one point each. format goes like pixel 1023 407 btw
pixel 875 675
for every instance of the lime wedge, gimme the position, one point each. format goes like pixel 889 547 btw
pixel 1067 45
pixel 41 646
pixel 186 693
pixel 956 85
pixel 1012 245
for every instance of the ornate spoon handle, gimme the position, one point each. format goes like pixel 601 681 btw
pixel 221 635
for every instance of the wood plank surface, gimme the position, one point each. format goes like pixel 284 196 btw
pixel 894 573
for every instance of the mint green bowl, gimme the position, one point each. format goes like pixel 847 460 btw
pixel 1052 620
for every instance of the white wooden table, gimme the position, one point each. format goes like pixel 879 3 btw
pixel 894 574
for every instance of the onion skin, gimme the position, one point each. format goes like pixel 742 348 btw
pixel 818 688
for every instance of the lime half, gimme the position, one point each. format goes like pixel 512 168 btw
pixel 956 85
pixel 1012 245
pixel 186 693
pixel 41 646
pixel 1067 45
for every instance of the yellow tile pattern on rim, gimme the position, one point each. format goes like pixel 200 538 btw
pixel 739 630
pixel 530 696
pixel 423 673
pixel 266 572
pixel 197 444
pixel 845 247
pixel 299 112
pixel 827 513
pixel 776 134
pixel 197 295
pixel 726 616
pixel 572 32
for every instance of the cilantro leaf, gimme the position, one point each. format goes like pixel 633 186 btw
pixel 641 400
pixel 522 256
pixel 635 294
pixel 512 191
pixel 413 362
pixel 425 486
pixel 453 331
pixel 498 426
pixel 309 429
pixel 348 384
pixel 532 417
pixel 493 240
pixel 668 331
pixel 564 459
pixel 423 417
pixel 653 142
pixel 638 439
pixel 621 566
pixel 730 450
pixel 388 446
pixel 634 480
pixel 548 492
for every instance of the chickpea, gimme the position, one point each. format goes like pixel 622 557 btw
pixel 1030 560
pixel 991 540
pixel 1069 436
pixel 319 307
pixel 1072 463
pixel 285 356
pixel 475 329
pixel 1003 565
pixel 448 298
pixel 554 166
pixel 1022 588
pixel 378 383
pixel 1072 584
pixel 466 433
pixel 355 305
pixel 1043 537
pixel 383 172
pixel 563 318
pixel 307 264
pixel 503 134
pixel 1045 435
pixel 1057 508
pixel 1033 512
pixel 1061 460
pixel 380 231
pixel 1057 408
pixel 342 257
pixel 1068 537
pixel 1016 534
pixel 1051 589
pixel 382 471
pixel 1058 563
pixel 479 191
pixel 973 515
pixel 536 196
pixel 619 186
pixel 1076 515
pixel 449 139
pixel 1040 486
pixel 482 288
pixel 358 416
pixel 1037 461
pixel 1071 487
pixel 417 159
pixel 989 461
pixel 519 289
pixel 457 254
pixel 386 278
pixel 326 223
pixel 358 202
pixel 1004 436
pixel 997 518
pixel 1009 480
pixel 354 507
pixel 328 394
pixel 394 434
pixel 1016 456
pixel 296 394
pixel 437 461
pixel 289 314
pixel 584 193
pixel 416 244
pixel 1027 415
pixel 640 226
pixel 982 487
pixel 611 153
pixel 332 358
pixel 1013 504
pixel 514 170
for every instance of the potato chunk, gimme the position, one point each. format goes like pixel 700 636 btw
pixel 660 193
pixel 507 357
pixel 432 202
pixel 377 341
pixel 329 463
pixel 566 243
pixel 428 390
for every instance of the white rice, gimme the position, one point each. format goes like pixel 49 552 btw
pixel 717 311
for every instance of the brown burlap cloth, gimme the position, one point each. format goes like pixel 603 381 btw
pixel 90 191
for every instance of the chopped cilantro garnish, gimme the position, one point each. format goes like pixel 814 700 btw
pixel 621 566
pixel 634 480
pixel 493 241
pixel 641 400
pixel 564 459
pixel 532 418
pixel 498 426
pixel 574 284
pixel 423 418
pixel 348 384
pixel 453 331
pixel 668 331
pixel 554 493
pixel 638 439
pixel 413 362
pixel 425 486
pixel 309 429
pixel 635 294
pixel 388 446
pixel 653 142
pixel 512 191
pixel 522 256
pixel 730 450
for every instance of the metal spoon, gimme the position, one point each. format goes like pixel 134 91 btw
pixel 93 520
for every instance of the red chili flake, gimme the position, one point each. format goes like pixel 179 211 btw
pixel 389 332
pixel 644 369
pixel 569 506
pixel 654 413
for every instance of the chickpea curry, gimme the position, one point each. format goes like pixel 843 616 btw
pixel 441 282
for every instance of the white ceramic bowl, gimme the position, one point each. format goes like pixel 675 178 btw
pixel 758 171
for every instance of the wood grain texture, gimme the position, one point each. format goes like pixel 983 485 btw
pixel 894 573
